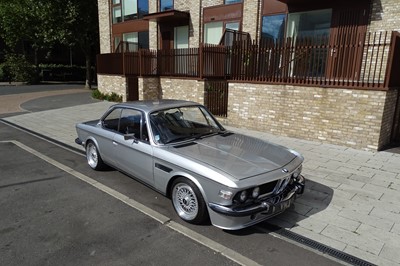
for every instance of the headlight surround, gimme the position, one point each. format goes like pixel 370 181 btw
pixel 255 192
pixel 243 196
pixel 247 194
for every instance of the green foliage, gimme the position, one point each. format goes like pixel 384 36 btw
pixel 113 97
pixel 42 23
pixel 39 22
pixel 17 68
pixel 55 72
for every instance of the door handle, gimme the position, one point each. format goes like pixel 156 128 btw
pixel 115 144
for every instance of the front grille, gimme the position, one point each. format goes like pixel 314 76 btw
pixel 268 188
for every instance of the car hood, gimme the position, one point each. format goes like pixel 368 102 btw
pixel 238 155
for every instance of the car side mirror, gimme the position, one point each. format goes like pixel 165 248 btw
pixel 129 136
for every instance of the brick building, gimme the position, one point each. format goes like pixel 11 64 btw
pixel 309 69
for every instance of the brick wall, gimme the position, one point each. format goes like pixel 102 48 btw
pixel 385 15
pixel 339 116
pixel 104 26
pixel 110 84
pixel 361 119
pixel 388 118
pixel 250 17
pixel 184 89
pixel 153 38
pixel 149 88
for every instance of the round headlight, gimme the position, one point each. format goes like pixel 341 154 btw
pixel 297 172
pixel 255 193
pixel 243 196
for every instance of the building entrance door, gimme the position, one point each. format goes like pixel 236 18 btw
pixel 133 89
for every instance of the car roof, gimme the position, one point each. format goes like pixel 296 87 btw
pixel 149 106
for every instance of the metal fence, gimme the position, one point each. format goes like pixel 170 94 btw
pixel 315 61
pixel 367 61
pixel 216 97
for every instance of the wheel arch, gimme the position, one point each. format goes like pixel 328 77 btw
pixel 189 177
pixel 91 139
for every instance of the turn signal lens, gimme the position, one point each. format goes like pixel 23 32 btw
pixel 225 194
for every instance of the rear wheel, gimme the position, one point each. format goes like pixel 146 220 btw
pixel 93 156
pixel 188 201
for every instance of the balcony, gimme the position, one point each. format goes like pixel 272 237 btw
pixel 368 61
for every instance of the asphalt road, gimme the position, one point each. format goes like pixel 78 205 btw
pixel 49 216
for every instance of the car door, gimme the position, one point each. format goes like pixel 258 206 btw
pixel 134 155
pixel 105 136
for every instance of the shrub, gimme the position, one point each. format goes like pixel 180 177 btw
pixel 54 72
pixel 17 68
pixel 113 97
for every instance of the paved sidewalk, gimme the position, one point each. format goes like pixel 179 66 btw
pixel 351 201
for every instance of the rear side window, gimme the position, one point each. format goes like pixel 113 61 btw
pixel 112 119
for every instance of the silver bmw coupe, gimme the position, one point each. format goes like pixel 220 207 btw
pixel 181 150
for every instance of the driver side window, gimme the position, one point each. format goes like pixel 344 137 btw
pixel 130 122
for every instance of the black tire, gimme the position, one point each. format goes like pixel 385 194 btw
pixel 188 202
pixel 93 156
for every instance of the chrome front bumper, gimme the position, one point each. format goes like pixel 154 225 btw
pixel 78 141
pixel 268 206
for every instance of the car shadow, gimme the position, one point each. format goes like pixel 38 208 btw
pixel 316 198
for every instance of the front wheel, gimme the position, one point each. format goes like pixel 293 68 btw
pixel 93 157
pixel 188 201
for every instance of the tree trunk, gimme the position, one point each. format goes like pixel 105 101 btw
pixel 36 78
pixel 88 83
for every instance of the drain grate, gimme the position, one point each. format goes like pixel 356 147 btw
pixel 340 255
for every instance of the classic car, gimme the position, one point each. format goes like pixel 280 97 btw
pixel 181 150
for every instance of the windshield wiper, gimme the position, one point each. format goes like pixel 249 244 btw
pixel 179 139
pixel 208 134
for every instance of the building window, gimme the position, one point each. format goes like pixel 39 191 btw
pixel 213 32
pixel 124 10
pixel 309 24
pixel 166 5
pixel 181 35
pixel 227 2
pixel 117 40
pixel 143 38
pixel 117 14
pixel 143 8
pixel 132 41
pixel 273 27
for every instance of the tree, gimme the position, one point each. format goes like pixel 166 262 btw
pixel 42 23
pixel 84 29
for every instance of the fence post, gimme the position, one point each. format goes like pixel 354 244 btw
pixel 201 61
pixel 123 61
pixel 140 62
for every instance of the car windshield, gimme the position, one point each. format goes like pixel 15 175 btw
pixel 183 123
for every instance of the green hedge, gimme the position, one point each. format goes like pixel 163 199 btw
pixel 113 97
pixel 51 72
pixel 17 68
